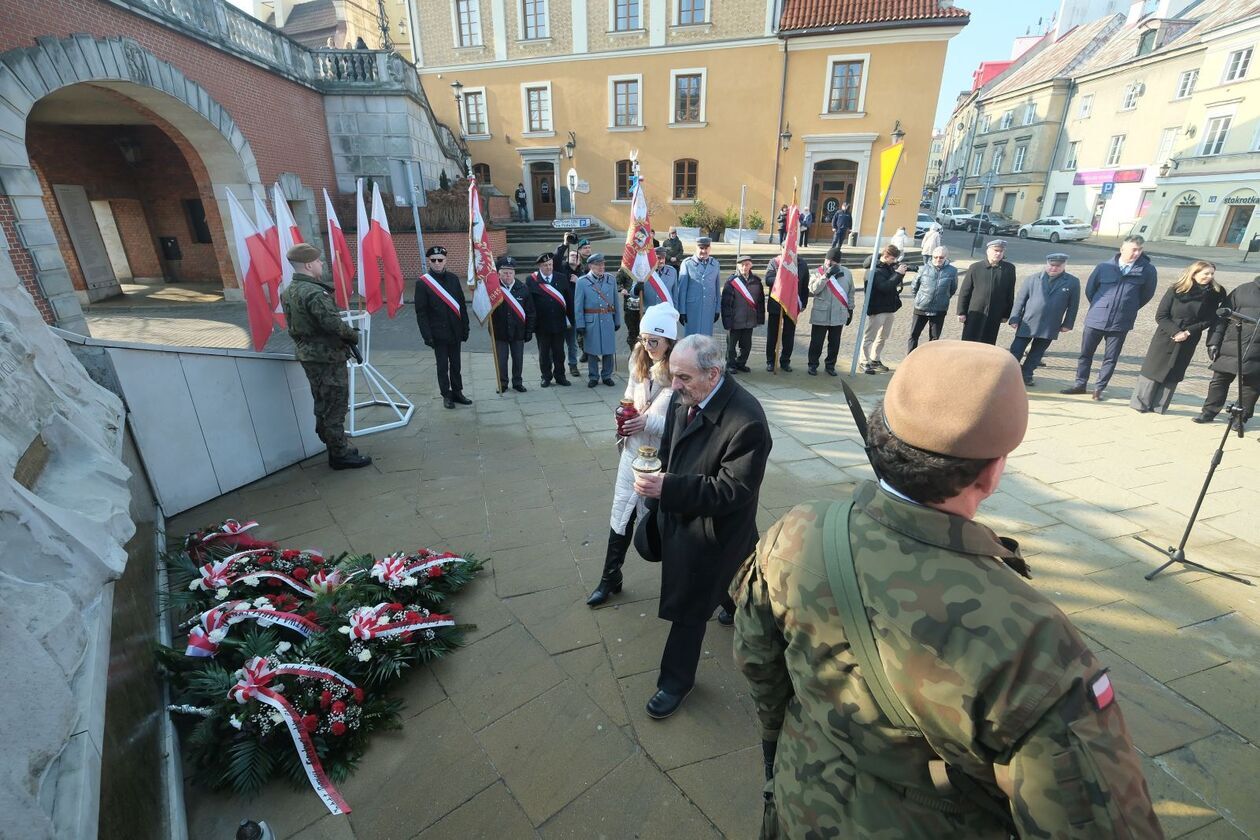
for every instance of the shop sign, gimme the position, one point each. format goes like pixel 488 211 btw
pixel 1243 199
pixel 1094 177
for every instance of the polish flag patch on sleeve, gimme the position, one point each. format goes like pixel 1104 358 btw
pixel 1101 692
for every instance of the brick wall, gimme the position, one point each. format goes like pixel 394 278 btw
pixel 21 260
pixel 137 237
pixel 456 245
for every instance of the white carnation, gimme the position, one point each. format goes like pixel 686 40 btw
pixel 221 593
pixel 365 655
pixel 282 647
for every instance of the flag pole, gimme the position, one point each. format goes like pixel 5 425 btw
pixel 866 283
pixel 778 336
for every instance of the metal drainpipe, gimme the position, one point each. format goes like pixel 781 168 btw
pixel 778 143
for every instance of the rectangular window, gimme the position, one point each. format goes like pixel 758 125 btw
pixel 1007 119
pixel 687 91
pixel 1060 204
pixel 468 23
pixel 1114 150
pixel 1086 107
pixel 1008 203
pixel 1030 113
pixel 1214 137
pixel 626 15
pixel 999 155
pixel 538 109
pixel 1130 98
pixel 1072 149
pixel 1144 203
pixel 626 102
pixel 1237 65
pixel 1186 82
pixel 692 11
pixel 1020 153
pixel 846 87
pixel 977 163
pixel 197 224
pixel 1166 141
pixel 984 123
pixel 533 19
pixel 684 179
pixel 624 170
pixel 475 112
pixel 1183 219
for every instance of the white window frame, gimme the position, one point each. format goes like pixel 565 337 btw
pixel 985 122
pixel 1130 99
pixel 832 61
pixel 1086 109
pixel 612 18
pixel 628 198
pixel 475 6
pixel 1071 160
pixel 1115 150
pixel 1186 83
pixel 999 157
pixel 637 125
pixel 1232 74
pixel 977 163
pixel 1008 118
pixel 703 73
pixel 1219 139
pixel 520 21
pixel 676 14
pixel 1021 154
pixel 1167 143
pixel 1030 113
pixel 469 133
pixel 549 131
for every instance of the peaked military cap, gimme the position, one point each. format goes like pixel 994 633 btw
pixel 542 258
pixel 595 257
pixel 505 262
pixel 436 251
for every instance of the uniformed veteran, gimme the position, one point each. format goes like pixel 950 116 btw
pixel 321 341
pixel 909 681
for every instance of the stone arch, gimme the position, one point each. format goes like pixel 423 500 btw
pixel 29 74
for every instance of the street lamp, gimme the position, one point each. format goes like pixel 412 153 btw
pixel 459 104
pixel 897 134
pixel 785 136
pixel 570 146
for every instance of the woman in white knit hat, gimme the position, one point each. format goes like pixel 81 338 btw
pixel 650 389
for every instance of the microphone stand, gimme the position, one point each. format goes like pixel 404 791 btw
pixel 1235 411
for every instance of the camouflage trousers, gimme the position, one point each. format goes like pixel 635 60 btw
pixel 330 388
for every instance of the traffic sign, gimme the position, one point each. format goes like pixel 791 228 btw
pixel 1108 189
pixel 572 223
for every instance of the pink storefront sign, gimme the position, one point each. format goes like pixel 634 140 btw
pixel 1094 177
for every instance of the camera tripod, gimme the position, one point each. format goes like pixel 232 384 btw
pixel 1177 554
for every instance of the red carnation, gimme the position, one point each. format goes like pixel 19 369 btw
pixel 264 559
pixel 413 616
pixel 338 728
pixel 317 559
pixel 395 607
pixel 310 615
pixel 339 708
pixel 435 571
pixel 310 723
pixel 272 582
pixel 358 695
pixel 405 635
pixel 301 572
pixel 290 553
pixel 325 698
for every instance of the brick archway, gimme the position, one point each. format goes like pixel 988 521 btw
pixel 184 109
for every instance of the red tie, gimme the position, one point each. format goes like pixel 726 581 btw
pixel 691 414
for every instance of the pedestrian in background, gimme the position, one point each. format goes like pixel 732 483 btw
pixel 832 290
pixel 743 309
pixel 513 325
pixel 902 240
pixel 698 291
pixel 774 314
pixel 883 285
pixel 1045 308
pixel 933 287
pixel 598 319
pixel 1223 351
pixel 987 295
pixel 1185 312
pixel 841 224
pixel 1116 290
pixel 782 222
pixel 931 241
pixel 522 212
pixel 442 316
pixel 807 219
pixel 673 249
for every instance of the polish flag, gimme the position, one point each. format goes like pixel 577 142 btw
pixel 376 243
pixel 481 270
pixel 288 232
pixel 786 288
pixel 340 263
pixel 271 235
pixel 259 271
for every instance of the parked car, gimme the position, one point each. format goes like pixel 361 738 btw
pixel 922 223
pixel 1056 228
pixel 952 218
pixel 991 223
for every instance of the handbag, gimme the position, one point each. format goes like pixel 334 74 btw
pixel 647 533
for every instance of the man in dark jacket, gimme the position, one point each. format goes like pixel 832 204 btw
pixel 743 308
pixel 569 268
pixel 1045 307
pixel 1116 290
pixel 841 224
pixel 513 324
pixel 714 450
pixel 443 319
pixel 673 250
pixel 987 295
pixel 522 213
pixel 553 313
pixel 773 311
pixel 1222 347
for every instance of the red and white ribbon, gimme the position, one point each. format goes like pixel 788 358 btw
pixel 436 288
pixel 325 581
pixel 220 575
pixel 373 623
pixel 396 568
pixel 515 305
pixel 551 291
pixel 230 527
pixel 743 291
pixel 203 640
pixel 661 291
pixel 213 624
pixel 253 682
pixel 833 283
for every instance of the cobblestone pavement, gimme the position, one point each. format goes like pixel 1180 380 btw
pixel 536 728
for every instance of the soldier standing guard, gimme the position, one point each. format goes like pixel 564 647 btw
pixel 698 292
pixel 322 342
pixel 598 319
pixel 553 310
pixel 443 319
pixel 513 324
pixel 908 681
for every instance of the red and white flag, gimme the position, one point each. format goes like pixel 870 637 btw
pixel 639 258
pixel 481 271
pixel 377 243
pixel 287 233
pixel 259 271
pixel 740 287
pixel 786 289
pixel 340 263
pixel 267 227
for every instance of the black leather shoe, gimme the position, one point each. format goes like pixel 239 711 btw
pixel 769 367
pixel 745 369
pixel 546 383
pixel 1075 389
pixel 352 460
pixel 785 367
pixel 1203 418
pixel 832 372
pixel 664 703
pixel 812 370
pixel 591 383
pixel 608 380
pixel 459 397
pixel 519 388
pixel 563 382
pixel 725 618
pixel 448 402
pixel 573 371
pixel 604 590
pixel 1028 381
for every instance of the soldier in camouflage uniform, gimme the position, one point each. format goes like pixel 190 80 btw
pixel 322 340
pixel 996 681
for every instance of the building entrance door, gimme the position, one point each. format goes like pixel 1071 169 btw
pixel 832 186
pixel 85 237
pixel 543 187
pixel 1236 224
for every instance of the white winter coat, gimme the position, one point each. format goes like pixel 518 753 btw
pixel 651 398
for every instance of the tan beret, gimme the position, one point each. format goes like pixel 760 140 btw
pixel 303 253
pixel 959 398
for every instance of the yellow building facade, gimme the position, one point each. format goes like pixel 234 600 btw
pixel 772 95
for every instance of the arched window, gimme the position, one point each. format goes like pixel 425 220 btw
pixel 685 179
pixel 624 170
pixel 481 171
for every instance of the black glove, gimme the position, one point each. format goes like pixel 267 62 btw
pixel 529 337
pixel 353 349
pixel 617 328
pixel 715 317
pixel 768 749
pixel 1213 352
pixel 428 343
pixel 682 319
pixel 353 339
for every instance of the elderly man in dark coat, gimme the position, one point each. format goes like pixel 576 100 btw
pixel 987 295
pixel 1223 351
pixel 713 451
pixel 1044 308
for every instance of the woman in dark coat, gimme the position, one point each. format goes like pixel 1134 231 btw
pixel 1187 309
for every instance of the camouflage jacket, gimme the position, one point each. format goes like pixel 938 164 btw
pixel 990 670
pixel 317 330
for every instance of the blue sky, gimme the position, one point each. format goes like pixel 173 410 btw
pixel 994 24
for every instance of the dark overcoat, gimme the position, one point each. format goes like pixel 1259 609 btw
pixel 707 512
pixel 987 297
pixel 507 325
pixel 552 316
pixel 1244 299
pixel 1194 311
pixel 437 321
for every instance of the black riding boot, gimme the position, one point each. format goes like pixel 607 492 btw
pixel 610 581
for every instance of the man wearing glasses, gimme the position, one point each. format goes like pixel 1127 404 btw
pixel 698 292
pixel 443 319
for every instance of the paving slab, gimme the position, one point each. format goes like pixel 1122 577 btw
pixel 1073 549
pixel 727 789
pixel 1221 770
pixel 633 636
pixel 1219 830
pixel 1228 692
pixel 497 674
pixel 1154 645
pixel 1159 719
pixel 558 618
pixel 589 667
pixel 490 815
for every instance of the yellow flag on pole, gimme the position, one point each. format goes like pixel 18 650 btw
pixel 888 160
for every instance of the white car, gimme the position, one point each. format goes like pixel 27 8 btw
pixel 952 218
pixel 1056 228
pixel 922 224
